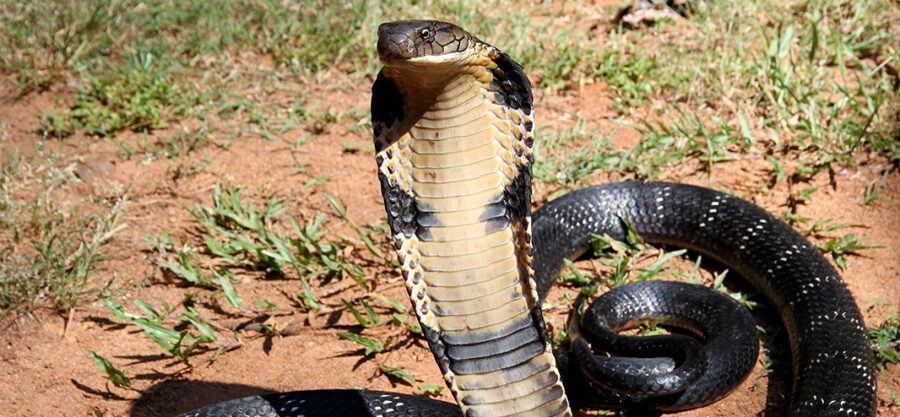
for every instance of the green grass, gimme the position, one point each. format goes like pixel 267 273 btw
pixel 886 339
pixel 49 253
pixel 136 63
pixel 815 84
pixel 179 343
pixel 815 81
pixel 139 95
pixel 238 234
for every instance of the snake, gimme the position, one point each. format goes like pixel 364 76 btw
pixel 453 127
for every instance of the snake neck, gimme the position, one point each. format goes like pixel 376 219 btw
pixel 455 166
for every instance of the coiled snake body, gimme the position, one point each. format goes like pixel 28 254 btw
pixel 453 120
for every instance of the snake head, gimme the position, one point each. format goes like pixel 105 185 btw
pixel 420 40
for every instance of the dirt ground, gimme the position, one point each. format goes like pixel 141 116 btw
pixel 46 370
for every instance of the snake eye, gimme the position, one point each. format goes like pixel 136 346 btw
pixel 425 33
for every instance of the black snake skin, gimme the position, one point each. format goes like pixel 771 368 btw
pixel 689 376
pixel 329 403
pixel 833 364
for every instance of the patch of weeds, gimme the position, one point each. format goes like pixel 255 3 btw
pixel 399 314
pixel 873 192
pixel 238 234
pixel 369 319
pixel 886 341
pixel 182 143
pixel 57 123
pixel 689 136
pixel 632 75
pixel 839 247
pixel 820 78
pixel 314 36
pixel 317 121
pixel 574 276
pixel 554 52
pixel 184 263
pixel 141 94
pixel 267 119
pixel 775 358
pixel 39 37
pixel 660 146
pixel 622 257
pixel 565 169
pixel 363 235
pixel 831 112
pixel 47 254
pixel 710 145
pixel 179 343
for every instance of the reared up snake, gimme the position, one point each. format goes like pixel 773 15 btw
pixel 453 121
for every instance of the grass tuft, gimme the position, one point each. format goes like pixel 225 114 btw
pixel 48 254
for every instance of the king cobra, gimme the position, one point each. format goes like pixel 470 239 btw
pixel 453 121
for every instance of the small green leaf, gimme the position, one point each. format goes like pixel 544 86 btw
pixel 806 193
pixel 398 319
pixel 653 269
pixel 370 313
pixel 265 304
pixel 147 308
pixel 776 166
pixel 308 297
pixel 415 328
pixel 112 373
pixel 431 390
pixel 163 336
pixel 371 345
pixel 631 236
pixel 209 334
pixel 230 294
pixel 575 276
pixel 362 235
pixel 398 374
pixel 224 253
pixel 119 312
pixel 359 318
pixel 396 305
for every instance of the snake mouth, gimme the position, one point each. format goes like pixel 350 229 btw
pixel 421 41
